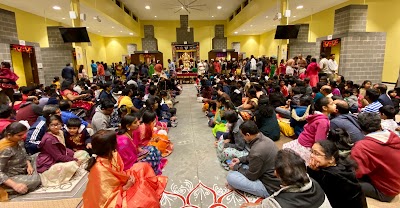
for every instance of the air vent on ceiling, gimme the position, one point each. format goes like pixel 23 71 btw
pixel 134 17
pixel 245 3
pixel 238 10
pixel 127 11
pixel 118 3
pixel 231 17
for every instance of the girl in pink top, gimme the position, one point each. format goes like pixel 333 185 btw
pixel 312 72
pixel 316 129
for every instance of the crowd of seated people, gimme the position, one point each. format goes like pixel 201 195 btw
pixel 45 137
pixel 345 134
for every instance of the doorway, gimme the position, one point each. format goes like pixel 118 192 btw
pixel 25 65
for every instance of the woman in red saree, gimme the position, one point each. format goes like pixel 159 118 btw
pixel 68 93
pixel 110 186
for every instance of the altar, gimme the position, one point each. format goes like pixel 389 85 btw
pixel 185 56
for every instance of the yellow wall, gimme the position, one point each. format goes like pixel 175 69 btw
pixel 30 27
pixel 248 43
pixel 117 46
pixel 18 66
pixel 268 44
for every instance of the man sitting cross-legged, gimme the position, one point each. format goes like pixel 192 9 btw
pixel 254 173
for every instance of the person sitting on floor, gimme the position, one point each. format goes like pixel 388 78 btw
pixel 231 144
pixel 39 128
pixel 378 159
pixel 29 111
pixel 336 175
pixel 55 162
pixel 254 173
pixel 5 116
pixel 300 113
pixel 297 189
pixel 17 174
pixel 372 96
pixel 151 137
pixel 110 185
pixel 66 114
pixel 102 118
pixel 129 148
pixel 266 120
pixel 343 119
pixel 316 129
pixel 388 114
pixel 76 136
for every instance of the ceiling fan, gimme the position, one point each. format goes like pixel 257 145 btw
pixel 187 6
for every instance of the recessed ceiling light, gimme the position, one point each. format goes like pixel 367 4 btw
pixel 212 16
pixel 294 16
pixel 94 17
pixel 112 27
pixel 236 32
pixel 120 31
pixel 87 27
pixel 251 25
pixel 98 31
pixel 56 8
pixel 266 16
pixel 155 16
pixel 299 7
pixel 130 33
pixel 219 7
pixel 147 7
pixel 63 18
pixel 244 30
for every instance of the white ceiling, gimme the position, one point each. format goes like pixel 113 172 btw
pixel 107 27
pixel 165 9
pixel 264 22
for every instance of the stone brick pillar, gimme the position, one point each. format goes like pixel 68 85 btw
pixel 8 34
pixel 301 44
pixel 352 18
pixel 184 33
pixel 219 42
pixel 56 56
pixel 149 42
pixel 362 53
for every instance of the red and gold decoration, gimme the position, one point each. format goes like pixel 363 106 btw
pixel 21 48
pixel 330 43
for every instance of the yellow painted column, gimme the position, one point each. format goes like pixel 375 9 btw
pixel 284 21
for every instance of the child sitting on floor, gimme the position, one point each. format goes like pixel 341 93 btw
pixel 387 118
pixel 76 136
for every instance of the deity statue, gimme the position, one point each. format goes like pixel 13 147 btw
pixel 186 61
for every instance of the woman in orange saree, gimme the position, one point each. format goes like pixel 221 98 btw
pixel 110 186
pixel 151 136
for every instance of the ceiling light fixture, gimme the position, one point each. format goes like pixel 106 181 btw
pixel 98 31
pixel 299 7
pixel 56 8
pixel 251 25
pixel 87 27
pixel 212 16
pixel 147 7
pixel 266 16
pixel 155 16
pixel 219 7
pixel 112 27
pixel 294 16
pixel 63 18
pixel 120 31
pixel 130 33
pixel 236 32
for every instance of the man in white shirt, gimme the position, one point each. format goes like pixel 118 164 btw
pixel 323 64
pixel 253 65
pixel 332 65
pixel 171 66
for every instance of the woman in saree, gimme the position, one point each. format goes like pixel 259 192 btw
pixel 129 150
pixel 151 136
pixel 17 174
pixel 77 100
pixel 110 185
